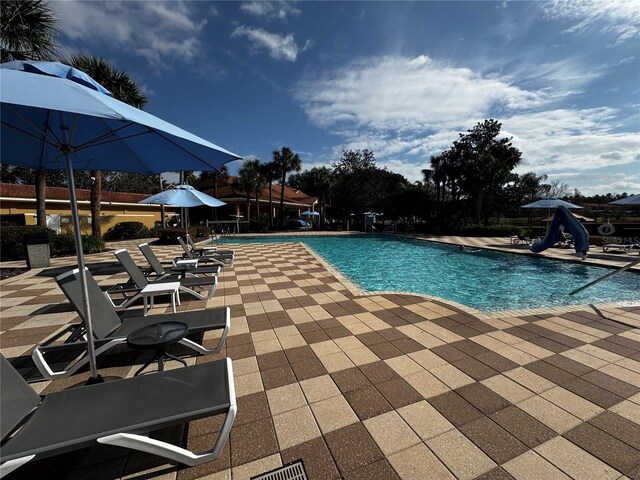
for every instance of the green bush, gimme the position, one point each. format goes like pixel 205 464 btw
pixel 64 244
pixel 128 231
pixel 12 242
pixel 168 236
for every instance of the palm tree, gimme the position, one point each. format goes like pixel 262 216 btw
pixel 270 173
pixel 286 161
pixel 220 176
pixel 251 180
pixel 28 32
pixel 123 88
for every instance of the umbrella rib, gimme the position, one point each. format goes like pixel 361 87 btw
pixel 97 140
pixel 35 127
pixel 29 134
pixel 187 151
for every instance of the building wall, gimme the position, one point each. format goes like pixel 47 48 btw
pixel 110 213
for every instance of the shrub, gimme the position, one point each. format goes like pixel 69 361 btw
pixel 92 244
pixel 128 231
pixel 168 236
pixel 12 242
pixel 65 244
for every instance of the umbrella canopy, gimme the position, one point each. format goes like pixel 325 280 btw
pixel 66 121
pixel 183 196
pixel 103 133
pixel 579 217
pixel 632 200
pixel 310 213
pixel 60 70
pixel 551 203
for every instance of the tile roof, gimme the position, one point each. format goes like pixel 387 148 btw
pixel 229 190
pixel 13 190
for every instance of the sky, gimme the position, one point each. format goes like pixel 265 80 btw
pixel 401 79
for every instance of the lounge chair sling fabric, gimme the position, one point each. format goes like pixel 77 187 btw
pixel 110 330
pixel 186 284
pixel 162 272
pixel 75 418
pixel 17 399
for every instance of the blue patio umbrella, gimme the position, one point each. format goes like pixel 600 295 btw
pixel 309 213
pixel 53 122
pixel 183 196
pixel 631 200
pixel 551 203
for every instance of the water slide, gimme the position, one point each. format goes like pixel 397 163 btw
pixel 563 217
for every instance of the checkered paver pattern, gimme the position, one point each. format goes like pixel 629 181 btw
pixel 379 386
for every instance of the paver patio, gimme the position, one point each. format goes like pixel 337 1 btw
pixel 379 386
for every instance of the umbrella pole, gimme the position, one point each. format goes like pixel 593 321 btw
pixel 95 378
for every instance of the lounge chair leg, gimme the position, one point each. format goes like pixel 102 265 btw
pixel 38 358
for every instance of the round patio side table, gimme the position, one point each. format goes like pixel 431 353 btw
pixel 159 337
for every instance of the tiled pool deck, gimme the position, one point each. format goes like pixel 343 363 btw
pixel 380 386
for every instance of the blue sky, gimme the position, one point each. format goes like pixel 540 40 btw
pixel 399 78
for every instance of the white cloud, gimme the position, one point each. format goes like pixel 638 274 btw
pixel 621 17
pixel 570 138
pixel 401 92
pixel 279 47
pixel 270 10
pixel 160 32
pixel 406 110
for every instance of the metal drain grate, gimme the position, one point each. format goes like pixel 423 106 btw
pixel 293 471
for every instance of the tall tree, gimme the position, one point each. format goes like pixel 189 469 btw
pixel 270 173
pixel 487 161
pixel 357 182
pixel 286 161
pixel 219 176
pixel 123 88
pixel 317 182
pixel 250 180
pixel 28 32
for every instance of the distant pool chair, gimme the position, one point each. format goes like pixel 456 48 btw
pixel 174 272
pixel 138 280
pixel 222 259
pixel 110 330
pixel 35 427
pixel 207 249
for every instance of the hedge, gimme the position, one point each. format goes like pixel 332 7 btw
pixel 12 242
pixel 169 236
pixel 128 231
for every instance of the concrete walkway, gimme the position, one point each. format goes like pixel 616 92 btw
pixel 378 386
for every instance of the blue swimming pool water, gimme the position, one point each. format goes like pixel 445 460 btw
pixel 485 280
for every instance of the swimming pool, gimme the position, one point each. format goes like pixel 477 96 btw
pixel 485 280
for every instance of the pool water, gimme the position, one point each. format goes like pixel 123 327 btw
pixel 485 280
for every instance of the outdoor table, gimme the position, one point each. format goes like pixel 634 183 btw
pixel 159 337
pixel 158 289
